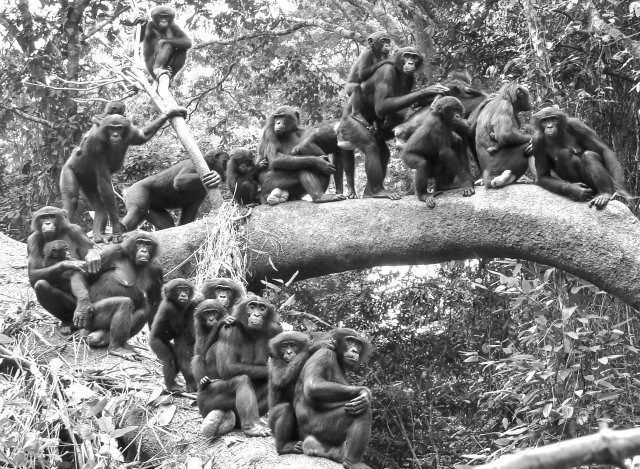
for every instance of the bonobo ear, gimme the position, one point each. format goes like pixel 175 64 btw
pixel 370 41
pixel 297 115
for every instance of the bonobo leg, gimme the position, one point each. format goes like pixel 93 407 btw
pixel 115 315
pixel 70 191
pixel 137 203
pixel 316 185
pixel 349 162
pixel 237 394
pixel 425 185
pixel 58 303
pixel 105 201
pixel 164 352
pixel 597 177
pixel 162 61
pixel 183 353
pixel 314 447
pixel 282 422
pixel 188 213
pixel 161 219
pixel 218 422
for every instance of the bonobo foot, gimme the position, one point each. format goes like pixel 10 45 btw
pixel 600 201
pixel 66 328
pixel 125 351
pixel 82 313
pixel 98 338
pixel 218 422
pixel 383 194
pixel 506 178
pixel 277 196
pixel 173 387
pixel 313 447
pixel 351 193
pixel 355 465
pixel 468 192
pixel 161 71
pixel 257 429
pixel 328 198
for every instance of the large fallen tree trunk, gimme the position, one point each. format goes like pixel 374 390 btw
pixel 520 221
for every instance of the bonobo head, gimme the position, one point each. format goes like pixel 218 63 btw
pixel 517 95
pixel 163 16
pixel 209 312
pixel 48 221
pixel 58 249
pixel 380 44
pixel 352 348
pixel 243 160
pixel 141 247
pixel 287 345
pixel 115 107
pixel 114 128
pixel 408 60
pixel 451 111
pixel 217 160
pixel 224 290
pixel 550 121
pixel 286 119
pixel 255 313
pixel 178 290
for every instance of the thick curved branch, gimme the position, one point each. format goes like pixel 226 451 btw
pixel 520 221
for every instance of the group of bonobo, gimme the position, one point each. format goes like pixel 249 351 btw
pixel 220 338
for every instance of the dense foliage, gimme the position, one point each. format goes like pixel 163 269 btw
pixel 472 358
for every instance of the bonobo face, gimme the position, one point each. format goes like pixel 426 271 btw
pixel 163 21
pixel 210 316
pixel 288 350
pixel 256 312
pixel 144 248
pixel 244 167
pixel 48 225
pixel 116 134
pixel 457 120
pixel 353 349
pixel 182 295
pixel 411 62
pixel 550 126
pixel 383 46
pixel 223 295
pixel 280 124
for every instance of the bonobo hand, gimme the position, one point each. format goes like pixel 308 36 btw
pixel 73 265
pixel 229 320
pixel 324 166
pixel 211 179
pixel 359 404
pixel 436 89
pixel 93 261
pixel 177 112
pixel 579 191
pixel 204 382
pixel 263 163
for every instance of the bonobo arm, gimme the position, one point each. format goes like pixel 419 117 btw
pixel 590 140
pixel 505 131
pixel 387 103
pixel 143 135
pixel 229 353
pixel 180 40
pixel 575 191
pixel 283 162
pixel 318 386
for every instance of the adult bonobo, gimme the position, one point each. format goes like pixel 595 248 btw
pixel 126 293
pixel 586 168
pixel 59 291
pixel 227 291
pixel 369 60
pixel 288 175
pixel 179 186
pixel 438 151
pixel 165 43
pixel 90 166
pixel 375 108
pixel 497 129
pixel 289 352
pixel 239 381
pixel 334 417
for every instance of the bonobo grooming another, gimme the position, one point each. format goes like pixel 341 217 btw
pixel 292 176
pixel 438 151
pixel 165 44
pixel 90 166
pixel 375 108
pixel 334 418
pixel 497 129
pixel 239 381
pixel 58 289
pixel 586 168
pixel 176 187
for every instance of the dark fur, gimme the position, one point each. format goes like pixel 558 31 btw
pixel 177 187
pixel 173 54
pixel 324 403
pixel 172 335
pixel 208 317
pixel 237 293
pixel 438 150
pixel 242 176
pixel 370 59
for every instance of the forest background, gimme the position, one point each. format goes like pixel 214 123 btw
pixel 473 358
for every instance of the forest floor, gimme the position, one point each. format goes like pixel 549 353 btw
pixel 117 410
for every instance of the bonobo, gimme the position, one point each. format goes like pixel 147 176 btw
pixel 586 168
pixel 165 44
pixel 172 338
pixel 334 417
pixel 242 176
pixel 90 166
pixel 438 151
pixel 58 289
pixel 369 60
